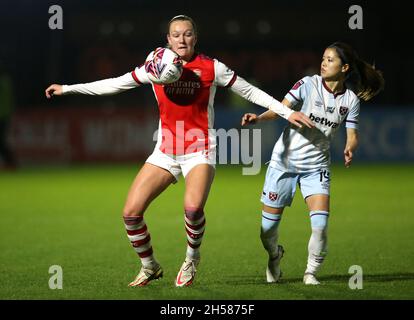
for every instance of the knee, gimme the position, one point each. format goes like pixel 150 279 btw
pixel 132 211
pixel 193 212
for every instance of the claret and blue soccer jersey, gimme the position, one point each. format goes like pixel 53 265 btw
pixel 303 149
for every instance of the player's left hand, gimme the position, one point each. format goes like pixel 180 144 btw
pixel 348 157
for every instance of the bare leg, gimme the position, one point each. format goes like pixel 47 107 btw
pixel 197 187
pixel 148 184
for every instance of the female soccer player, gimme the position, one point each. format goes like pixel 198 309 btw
pixel 185 144
pixel 301 155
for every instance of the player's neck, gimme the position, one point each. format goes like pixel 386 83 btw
pixel 335 86
pixel 188 59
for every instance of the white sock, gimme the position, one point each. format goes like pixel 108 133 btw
pixel 318 241
pixel 269 232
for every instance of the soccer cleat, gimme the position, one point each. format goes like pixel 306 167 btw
pixel 187 273
pixel 273 272
pixel 310 279
pixel 146 275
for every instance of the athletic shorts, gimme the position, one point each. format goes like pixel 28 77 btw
pixel 280 187
pixel 182 164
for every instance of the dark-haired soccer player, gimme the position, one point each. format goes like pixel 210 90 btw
pixel 301 155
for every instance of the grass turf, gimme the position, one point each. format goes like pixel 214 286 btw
pixel 72 217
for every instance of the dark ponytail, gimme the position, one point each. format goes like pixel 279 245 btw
pixel 371 80
pixel 362 78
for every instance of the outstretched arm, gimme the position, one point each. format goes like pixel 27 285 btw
pixel 101 87
pixel 252 118
pixel 297 118
pixel 351 145
pixel 261 98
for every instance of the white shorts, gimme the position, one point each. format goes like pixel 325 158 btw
pixel 182 164
pixel 280 187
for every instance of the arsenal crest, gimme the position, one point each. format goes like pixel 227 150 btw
pixel 272 196
pixel 197 72
pixel 343 111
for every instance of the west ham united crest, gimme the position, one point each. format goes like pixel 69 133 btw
pixel 272 196
pixel 343 111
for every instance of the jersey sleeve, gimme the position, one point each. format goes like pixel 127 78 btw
pixel 253 94
pixel 298 91
pixel 352 119
pixel 223 75
pixel 140 76
pixel 103 87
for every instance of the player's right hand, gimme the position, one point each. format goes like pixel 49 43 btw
pixel 53 90
pixel 249 118
pixel 298 119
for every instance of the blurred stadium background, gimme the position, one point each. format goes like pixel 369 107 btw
pixel 53 201
pixel 270 43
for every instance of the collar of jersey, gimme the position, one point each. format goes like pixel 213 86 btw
pixel 330 91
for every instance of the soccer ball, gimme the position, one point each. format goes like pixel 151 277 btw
pixel 163 66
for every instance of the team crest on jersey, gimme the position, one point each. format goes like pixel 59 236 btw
pixel 197 72
pixel 272 196
pixel 343 110
pixel 297 85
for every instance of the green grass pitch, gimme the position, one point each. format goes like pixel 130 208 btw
pixel 71 217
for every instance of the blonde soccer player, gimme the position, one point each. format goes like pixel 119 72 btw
pixel 186 146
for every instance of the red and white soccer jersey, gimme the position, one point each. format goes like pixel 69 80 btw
pixel 186 106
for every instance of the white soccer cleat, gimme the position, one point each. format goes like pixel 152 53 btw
pixel 310 279
pixel 146 275
pixel 187 273
pixel 273 272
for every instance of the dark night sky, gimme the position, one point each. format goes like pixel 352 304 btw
pixel 35 56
